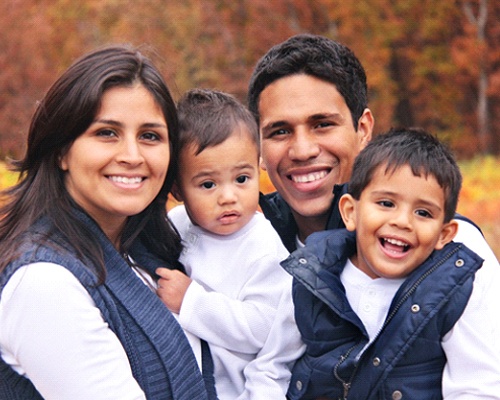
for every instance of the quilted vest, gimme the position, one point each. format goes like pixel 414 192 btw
pixel 406 359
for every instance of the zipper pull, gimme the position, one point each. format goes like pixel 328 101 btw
pixel 347 386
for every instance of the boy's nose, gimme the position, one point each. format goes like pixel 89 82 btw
pixel 402 219
pixel 227 195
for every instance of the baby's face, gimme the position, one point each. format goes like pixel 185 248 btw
pixel 220 185
pixel 399 221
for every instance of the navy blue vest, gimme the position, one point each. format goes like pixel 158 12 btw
pixel 406 356
pixel 160 356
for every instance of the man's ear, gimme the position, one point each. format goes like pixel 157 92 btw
pixel 347 208
pixel 448 232
pixel 365 127
pixel 176 192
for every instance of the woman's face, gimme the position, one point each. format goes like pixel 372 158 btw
pixel 117 166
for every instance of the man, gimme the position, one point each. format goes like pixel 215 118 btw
pixel 309 96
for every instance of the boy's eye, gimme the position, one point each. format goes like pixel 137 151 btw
pixel 386 203
pixel 424 213
pixel 242 178
pixel 207 185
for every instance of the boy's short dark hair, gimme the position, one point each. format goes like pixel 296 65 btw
pixel 208 117
pixel 319 57
pixel 414 147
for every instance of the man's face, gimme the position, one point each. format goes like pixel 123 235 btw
pixel 309 144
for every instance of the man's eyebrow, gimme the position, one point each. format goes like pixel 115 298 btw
pixel 320 116
pixel 274 125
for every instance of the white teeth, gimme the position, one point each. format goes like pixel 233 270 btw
pixel 309 177
pixel 125 180
pixel 396 242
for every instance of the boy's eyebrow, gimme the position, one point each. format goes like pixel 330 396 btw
pixel 428 203
pixel 243 165
pixel 209 172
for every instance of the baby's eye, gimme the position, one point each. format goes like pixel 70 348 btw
pixel 207 185
pixel 242 178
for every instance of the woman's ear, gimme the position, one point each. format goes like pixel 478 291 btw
pixel 448 232
pixel 176 192
pixel 347 208
pixel 62 162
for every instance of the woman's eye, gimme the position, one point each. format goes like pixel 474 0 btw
pixel 207 185
pixel 152 136
pixel 106 133
pixel 242 178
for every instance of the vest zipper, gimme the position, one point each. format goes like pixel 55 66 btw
pixel 347 384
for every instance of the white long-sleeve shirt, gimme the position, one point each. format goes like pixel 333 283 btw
pixel 240 303
pixel 472 346
pixel 52 332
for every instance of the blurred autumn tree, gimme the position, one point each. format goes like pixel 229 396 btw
pixel 430 63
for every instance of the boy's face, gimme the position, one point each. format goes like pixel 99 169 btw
pixel 309 144
pixel 220 186
pixel 398 221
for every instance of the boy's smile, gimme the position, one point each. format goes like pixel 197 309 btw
pixel 398 221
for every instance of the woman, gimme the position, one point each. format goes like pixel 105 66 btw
pixel 80 236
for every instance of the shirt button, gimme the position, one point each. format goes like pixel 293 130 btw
pixel 302 261
pixel 397 395
pixel 298 385
pixel 376 362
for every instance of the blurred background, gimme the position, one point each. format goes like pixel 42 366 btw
pixel 434 64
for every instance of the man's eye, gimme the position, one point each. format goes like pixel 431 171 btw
pixel 278 132
pixel 207 185
pixel 324 124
